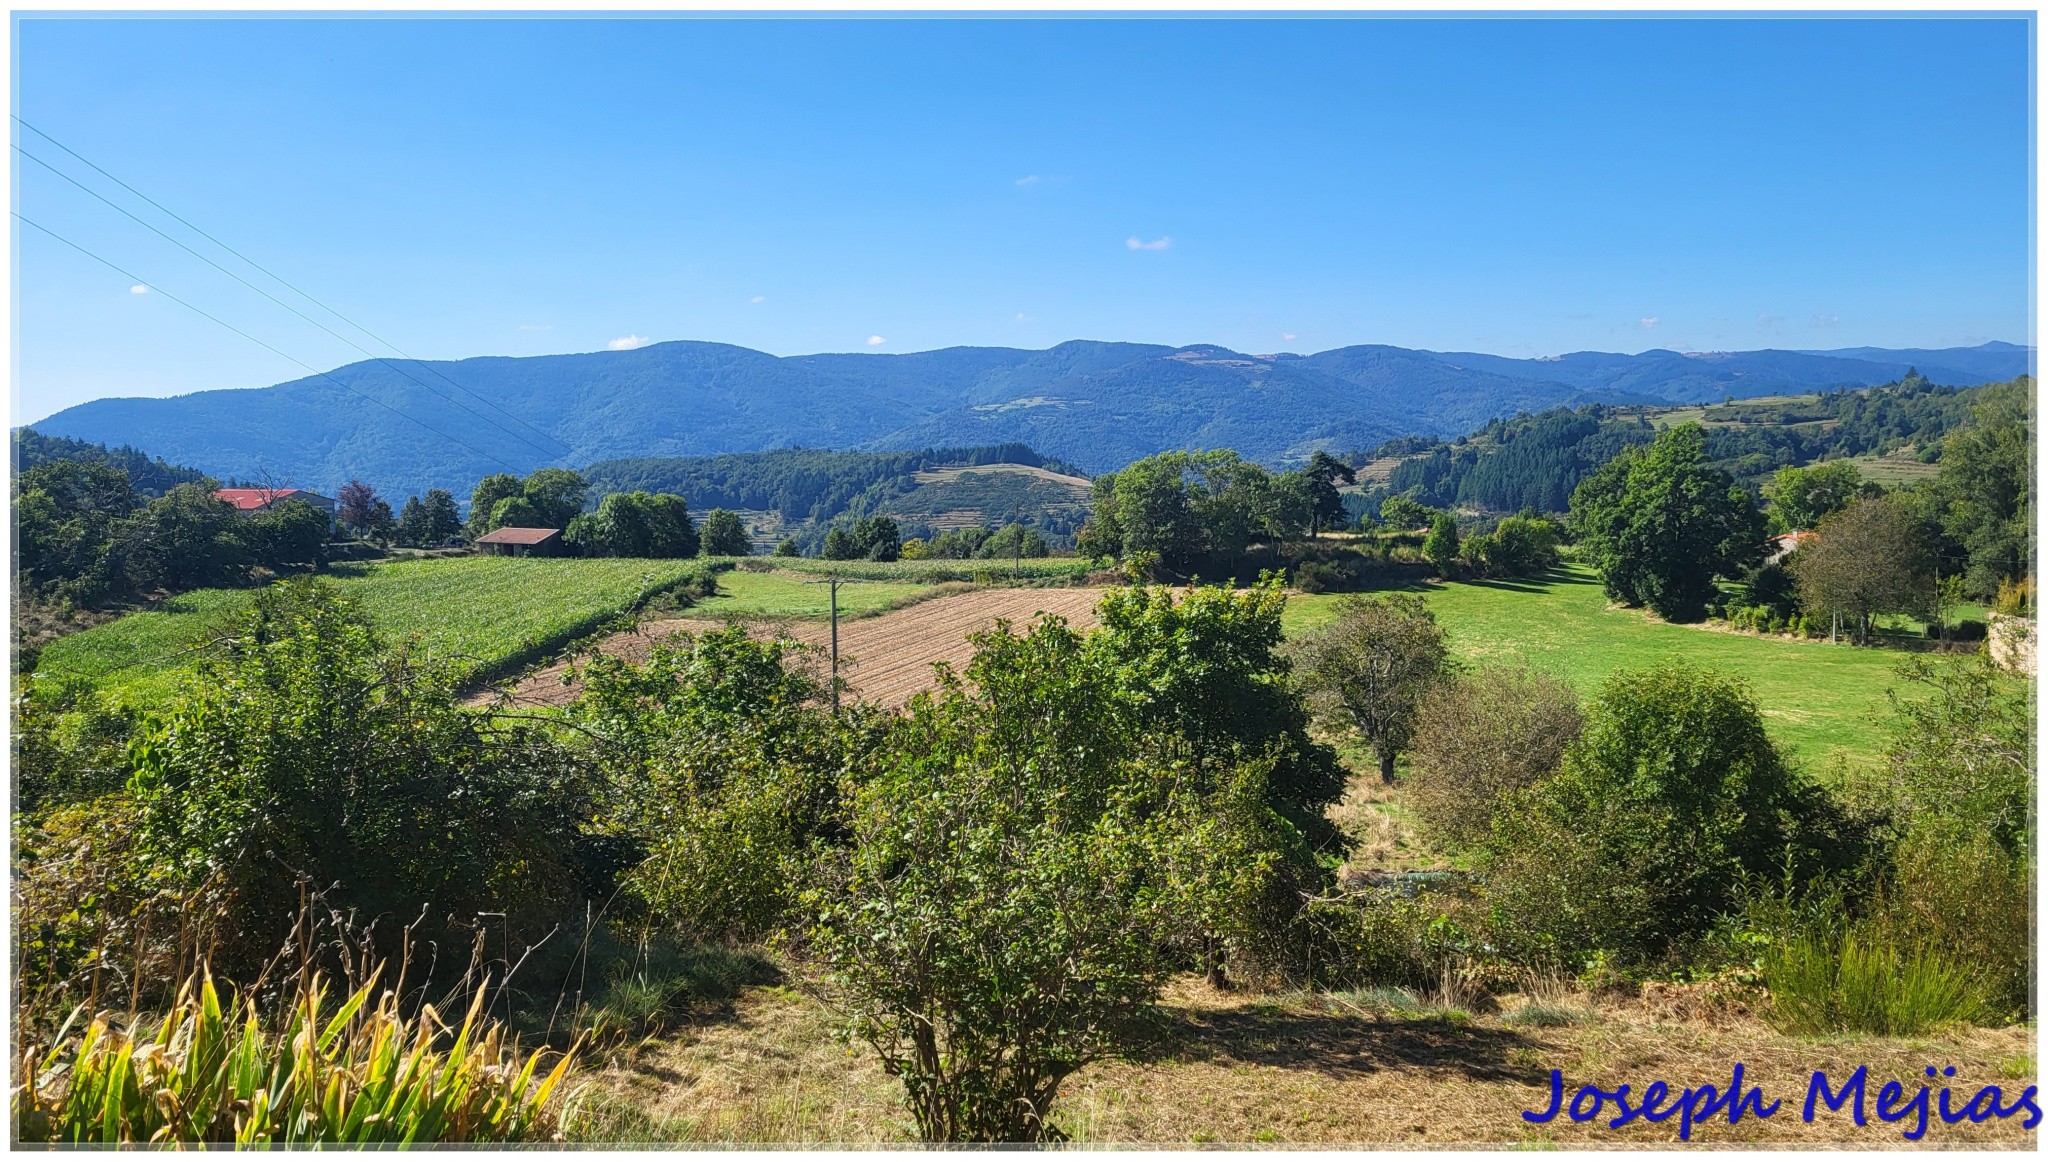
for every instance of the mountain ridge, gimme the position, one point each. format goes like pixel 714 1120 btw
pixel 1096 403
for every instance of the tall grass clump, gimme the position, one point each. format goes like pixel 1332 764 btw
pixel 359 1074
pixel 1862 983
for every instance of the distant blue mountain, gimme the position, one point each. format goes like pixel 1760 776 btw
pixel 1096 404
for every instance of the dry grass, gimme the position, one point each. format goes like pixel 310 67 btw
pixel 1234 1068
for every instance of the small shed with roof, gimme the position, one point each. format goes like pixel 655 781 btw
pixel 519 542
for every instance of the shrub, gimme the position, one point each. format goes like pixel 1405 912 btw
pixel 719 763
pixel 1671 796
pixel 1016 863
pixel 359 1074
pixel 1479 737
pixel 307 749
pixel 1368 670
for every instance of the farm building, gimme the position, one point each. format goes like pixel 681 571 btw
pixel 253 500
pixel 516 542
pixel 1780 547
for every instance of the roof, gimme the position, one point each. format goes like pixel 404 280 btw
pixel 516 536
pixel 252 498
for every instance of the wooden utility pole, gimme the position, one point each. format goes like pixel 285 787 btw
pixel 835 647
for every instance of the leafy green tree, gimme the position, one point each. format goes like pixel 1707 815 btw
pixel 1480 737
pixel 640 524
pixel 412 523
pixel 185 539
pixel 1441 545
pixel 725 535
pixel 840 545
pixel 514 512
pixel 1145 508
pixel 1799 497
pixel 557 495
pixel 1520 546
pixel 289 532
pixel 1014 866
pixel 1369 669
pixel 1866 559
pixel 1983 496
pixel 1403 512
pixel 788 548
pixel 65 516
pixel 1668 801
pixel 1013 540
pixel 1661 525
pixel 483 503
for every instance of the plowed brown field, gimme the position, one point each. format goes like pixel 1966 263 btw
pixel 887 658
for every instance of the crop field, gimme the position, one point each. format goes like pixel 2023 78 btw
pixel 1819 700
pixel 485 613
pixel 1894 469
pixel 885 658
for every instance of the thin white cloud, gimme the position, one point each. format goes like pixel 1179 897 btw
pixel 1136 243
pixel 1288 336
pixel 627 342
pixel 758 299
pixel 138 289
pixel 876 340
pixel 1030 179
pixel 1024 318
pixel 1825 321
pixel 1648 321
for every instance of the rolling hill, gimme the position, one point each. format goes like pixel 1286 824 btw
pixel 407 426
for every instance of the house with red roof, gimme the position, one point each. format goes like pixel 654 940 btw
pixel 254 500
pixel 521 542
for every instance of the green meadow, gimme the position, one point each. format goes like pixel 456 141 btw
pixel 779 594
pixel 1819 700
pixel 486 614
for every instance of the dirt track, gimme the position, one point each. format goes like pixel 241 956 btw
pixel 886 658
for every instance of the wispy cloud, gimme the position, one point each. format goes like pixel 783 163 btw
pixel 876 340
pixel 138 289
pixel 1648 321
pixel 1825 321
pixel 1288 336
pixel 1136 243
pixel 758 299
pixel 627 342
pixel 1024 318
pixel 1030 179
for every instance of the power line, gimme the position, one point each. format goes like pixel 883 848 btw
pixel 135 278
pixel 274 276
pixel 544 450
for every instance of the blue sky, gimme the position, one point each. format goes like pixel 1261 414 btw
pixel 1526 187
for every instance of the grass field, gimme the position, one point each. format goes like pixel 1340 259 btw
pixel 1819 700
pixel 747 594
pixel 932 571
pixel 485 613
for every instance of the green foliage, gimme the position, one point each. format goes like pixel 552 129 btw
pixel 1440 547
pixel 1403 512
pixel 876 538
pixel 184 539
pixel 725 535
pixel 149 475
pixel 840 545
pixel 547 499
pixel 289 532
pixel 720 764
pixel 431 522
pixel 1667 800
pixel 1660 525
pixel 1207 672
pixel 1320 478
pixel 1983 498
pixel 1799 497
pixel 1868 558
pixel 788 548
pixel 638 524
pixel 1187 507
pixel 1369 669
pixel 305 748
pixel 1479 738
pixel 484 501
pixel 1016 862
pixel 66 517
pixel 359 1073
pixel 1519 546
pixel 1857 984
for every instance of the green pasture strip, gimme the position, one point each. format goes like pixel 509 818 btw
pixel 992 572
pixel 780 594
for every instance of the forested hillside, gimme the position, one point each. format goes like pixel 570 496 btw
pixel 1536 460
pixel 147 475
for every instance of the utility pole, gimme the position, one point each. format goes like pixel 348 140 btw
pixel 835 647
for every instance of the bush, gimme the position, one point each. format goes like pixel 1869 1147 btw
pixel 1482 736
pixel 359 1074
pixel 308 749
pixel 1668 800
pixel 1018 858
